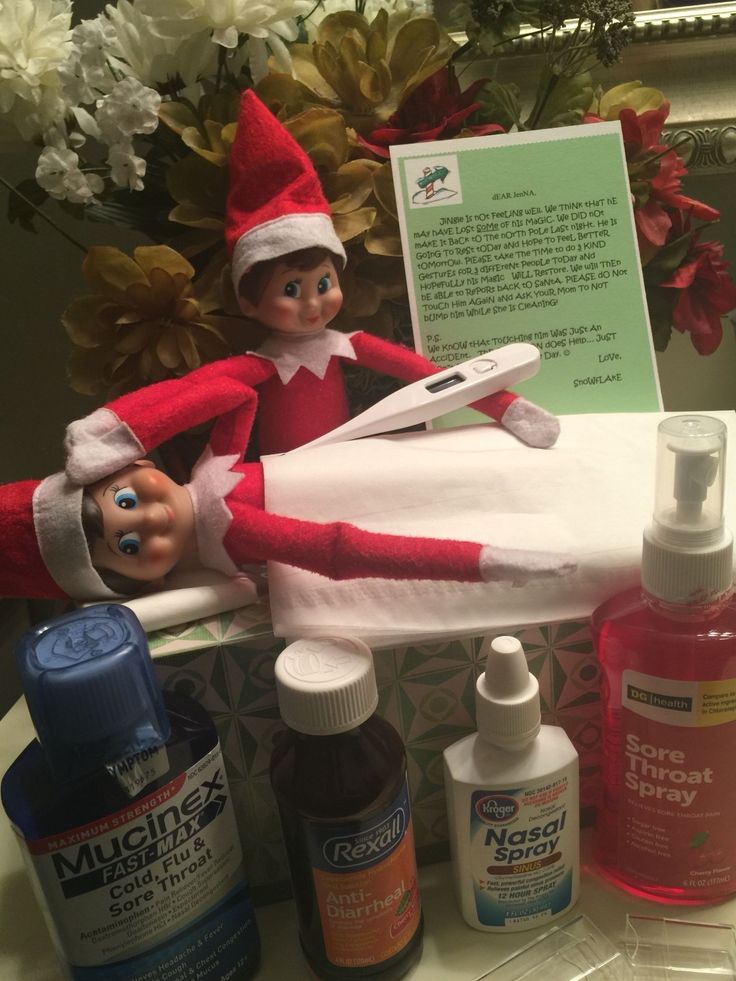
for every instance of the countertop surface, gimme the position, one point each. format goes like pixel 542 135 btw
pixel 452 950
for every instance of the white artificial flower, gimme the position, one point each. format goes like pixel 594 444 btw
pixel 59 175
pixel 93 39
pixel 87 125
pixel 129 109
pixel 226 19
pixel 86 73
pixel 137 51
pixel 126 169
pixel 81 188
pixel 34 40
pixel 52 168
pixel 258 49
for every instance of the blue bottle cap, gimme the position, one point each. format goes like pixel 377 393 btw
pixel 91 690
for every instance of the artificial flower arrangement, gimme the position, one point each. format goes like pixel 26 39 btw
pixel 134 113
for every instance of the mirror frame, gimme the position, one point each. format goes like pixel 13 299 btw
pixel 689 53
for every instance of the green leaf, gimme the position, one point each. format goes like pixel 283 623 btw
pixel 403 902
pixel 660 303
pixel 560 101
pixel 669 258
pixel 498 31
pixel 140 211
pixel 500 104
pixel 698 840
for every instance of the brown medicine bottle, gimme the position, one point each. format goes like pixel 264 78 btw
pixel 339 776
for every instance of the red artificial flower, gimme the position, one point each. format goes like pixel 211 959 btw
pixel 434 110
pixel 642 136
pixel 708 292
pixel 666 188
pixel 645 129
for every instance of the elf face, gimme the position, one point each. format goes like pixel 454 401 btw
pixel 148 522
pixel 298 301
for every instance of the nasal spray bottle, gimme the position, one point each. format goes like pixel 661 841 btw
pixel 123 812
pixel 667 654
pixel 512 803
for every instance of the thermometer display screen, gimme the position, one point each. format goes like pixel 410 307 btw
pixel 444 383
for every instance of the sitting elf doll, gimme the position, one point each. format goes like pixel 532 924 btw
pixel 285 258
pixel 112 524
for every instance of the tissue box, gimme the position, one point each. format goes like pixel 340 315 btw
pixel 426 691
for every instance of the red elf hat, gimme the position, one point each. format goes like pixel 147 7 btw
pixel 275 202
pixel 45 554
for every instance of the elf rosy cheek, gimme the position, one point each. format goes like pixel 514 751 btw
pixel 159 550
pixel 332 304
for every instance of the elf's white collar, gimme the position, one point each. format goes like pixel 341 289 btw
pixel 290 352
pixel 212 481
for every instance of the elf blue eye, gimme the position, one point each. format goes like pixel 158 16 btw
pixel 324 284
pixel 126 498
pixel 129 544
pixel 293 290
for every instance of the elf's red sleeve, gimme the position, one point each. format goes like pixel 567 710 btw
pixel 131 426
pixel 341 551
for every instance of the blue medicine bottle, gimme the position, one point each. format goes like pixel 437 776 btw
pixel 123 812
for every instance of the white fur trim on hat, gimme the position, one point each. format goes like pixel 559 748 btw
pixel 281 236
pixel 98 445
pixel 57 518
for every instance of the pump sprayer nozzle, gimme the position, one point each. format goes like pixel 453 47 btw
pixel 695 471
pixel 687 550
pixel 688 506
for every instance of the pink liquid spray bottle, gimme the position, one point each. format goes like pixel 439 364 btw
pixel 667 654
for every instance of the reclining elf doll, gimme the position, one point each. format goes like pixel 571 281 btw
pixel 111 524
pixel 285 257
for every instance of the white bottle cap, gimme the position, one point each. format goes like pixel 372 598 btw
pixel 507 697
pixel 326 685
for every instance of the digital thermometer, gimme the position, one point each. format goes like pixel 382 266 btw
pixel 428 398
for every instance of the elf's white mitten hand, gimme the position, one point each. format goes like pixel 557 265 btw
pixel 519 565
pixel 99 445
pixel 531 424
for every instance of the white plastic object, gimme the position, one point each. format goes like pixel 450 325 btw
pixel 663 949
pixel 507 707
pixel 572 951
pixel 189 596
pixel 687 551
pixel 325 685
pixel 447 390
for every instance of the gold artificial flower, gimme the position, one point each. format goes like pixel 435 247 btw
pixel 368 68
pixel 209 129
pixel 145 321
pixel 629 95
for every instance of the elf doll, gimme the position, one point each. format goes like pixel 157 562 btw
pixel 111 524
pixel 285 260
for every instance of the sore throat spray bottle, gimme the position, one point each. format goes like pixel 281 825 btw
pixel 123 812
pixel 513 804
pixel 667 654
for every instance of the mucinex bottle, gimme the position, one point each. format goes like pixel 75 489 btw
pixel 667 654
pixel 123 812
pixel 512 804
pixel 339 777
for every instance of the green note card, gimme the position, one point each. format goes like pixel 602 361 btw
pixel 530 237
